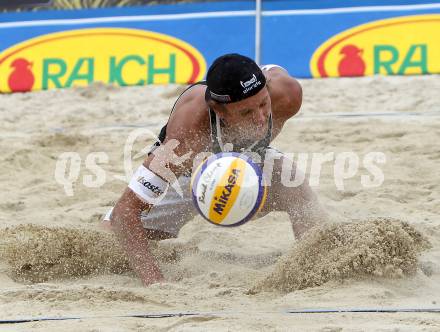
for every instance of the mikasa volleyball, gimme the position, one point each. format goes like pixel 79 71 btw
pixel 228 189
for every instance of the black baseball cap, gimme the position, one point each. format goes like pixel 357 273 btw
pixel 233 77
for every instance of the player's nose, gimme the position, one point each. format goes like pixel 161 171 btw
pixel 261 117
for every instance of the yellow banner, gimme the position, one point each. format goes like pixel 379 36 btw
pixel 397 46
pixel 115 56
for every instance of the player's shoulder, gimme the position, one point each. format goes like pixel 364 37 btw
pixel 279 76
pixel 274 69
pixel 190 112
pixel 285 90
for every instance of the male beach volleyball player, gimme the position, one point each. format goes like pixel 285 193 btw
pixel 239 103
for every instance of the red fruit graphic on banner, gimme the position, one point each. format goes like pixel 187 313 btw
pixel 351 63
pixel 404 45
pixel 22 78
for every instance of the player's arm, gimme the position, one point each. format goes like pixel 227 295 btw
pixel 126 225
pixel 148 184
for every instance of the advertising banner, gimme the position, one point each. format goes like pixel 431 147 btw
pixel 175 43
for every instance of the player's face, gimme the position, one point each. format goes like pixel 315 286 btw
pixel 250 115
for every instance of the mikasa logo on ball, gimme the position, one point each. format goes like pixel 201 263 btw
pixel 226 189
pixel 219 206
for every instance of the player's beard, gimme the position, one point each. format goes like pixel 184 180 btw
pixel 246 135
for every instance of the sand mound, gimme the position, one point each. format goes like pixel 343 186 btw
pixel 38 254
pixel 337 251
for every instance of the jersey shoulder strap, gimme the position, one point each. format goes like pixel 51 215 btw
pixel 163 131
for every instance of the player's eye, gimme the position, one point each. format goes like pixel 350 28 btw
pixel 264 102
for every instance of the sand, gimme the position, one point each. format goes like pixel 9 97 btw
pixel 382 251
pixel 338 251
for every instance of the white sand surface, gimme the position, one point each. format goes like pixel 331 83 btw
pixel 55 264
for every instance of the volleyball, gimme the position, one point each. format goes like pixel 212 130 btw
pixel 228 189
